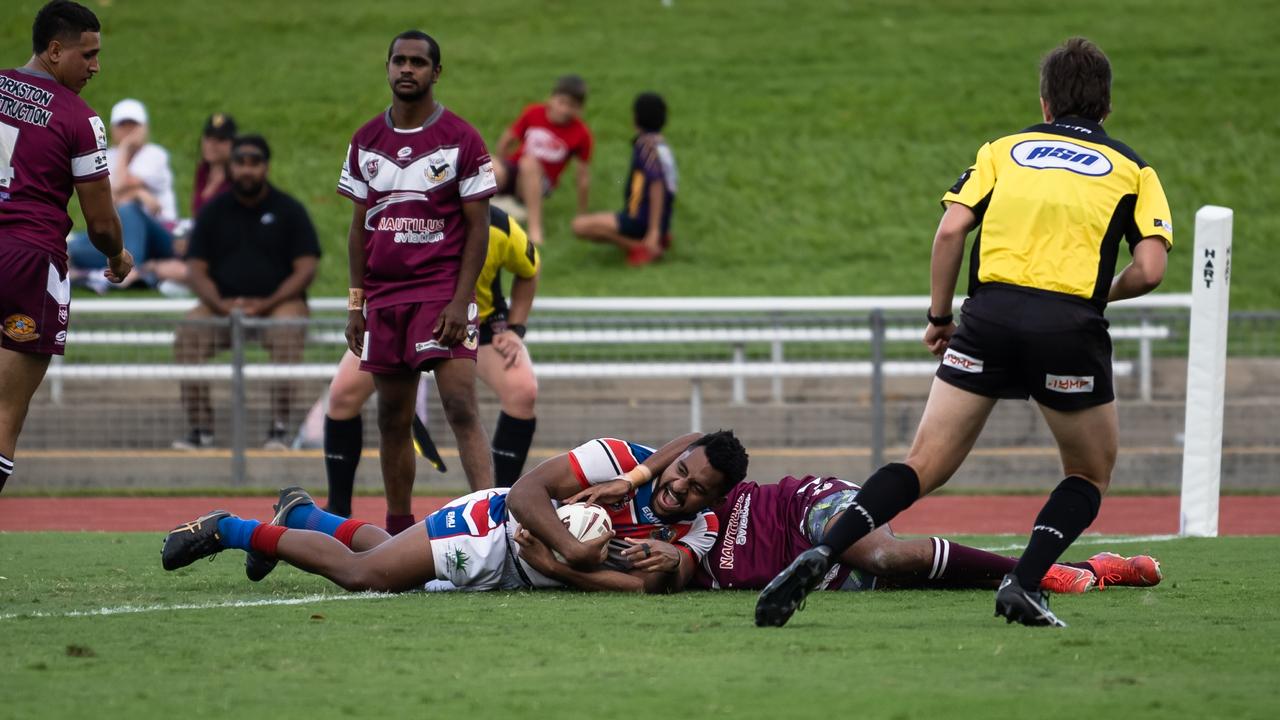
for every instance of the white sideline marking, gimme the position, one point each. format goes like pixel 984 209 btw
pixel 134 609
pixel 1096 540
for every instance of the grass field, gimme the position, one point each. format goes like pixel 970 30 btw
pixel 1200 645
pixel 814 137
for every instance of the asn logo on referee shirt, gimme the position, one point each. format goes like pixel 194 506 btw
pixel 1060 155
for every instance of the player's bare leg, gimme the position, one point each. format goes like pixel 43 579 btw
pixel 603 227
pixel 456 383
pixel 396 396
pixel 529 188
pixel 404 562
pixel 20 376
pixel 517 389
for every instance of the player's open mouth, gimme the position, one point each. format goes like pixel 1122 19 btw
pixel 667 501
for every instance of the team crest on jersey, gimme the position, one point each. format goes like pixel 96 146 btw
pixel 473 338
pixel 371 168
pixel 63 314
pixel 437 173
pixel 99 132
pixel 20 328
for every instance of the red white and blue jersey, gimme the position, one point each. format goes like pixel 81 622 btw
pixel 412 184
pixel 604 459
pixel 50 140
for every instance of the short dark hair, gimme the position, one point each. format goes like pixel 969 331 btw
pixel 252 140
pixel 650 112
pixel 725 454
pixel 433 53
pixel 572 85
pixel 61 19
pixel 1075 80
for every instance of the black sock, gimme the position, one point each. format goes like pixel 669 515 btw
pixel 6 469
pixel 511 440
pixel 1071 508
pixel 889 491
pixel 343 441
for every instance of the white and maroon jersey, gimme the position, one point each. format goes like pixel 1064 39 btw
pixel 50 139
pixel 604 459
pixel 412 184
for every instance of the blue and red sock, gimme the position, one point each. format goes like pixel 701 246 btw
pixel 240 534
pixel 310 517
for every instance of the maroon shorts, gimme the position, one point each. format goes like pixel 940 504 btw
pixel 399 339
pixel 35 296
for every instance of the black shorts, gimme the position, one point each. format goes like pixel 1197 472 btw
pixel 1015 343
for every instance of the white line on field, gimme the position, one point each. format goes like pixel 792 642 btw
pixel 133 609
pixel 1096 540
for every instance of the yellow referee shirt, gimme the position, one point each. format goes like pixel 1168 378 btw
pixel 510 250
pixel 1053 202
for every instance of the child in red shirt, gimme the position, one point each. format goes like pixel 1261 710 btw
pixel 537 147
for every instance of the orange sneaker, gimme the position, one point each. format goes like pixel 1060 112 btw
pixel 1067 580
pixel 1136 571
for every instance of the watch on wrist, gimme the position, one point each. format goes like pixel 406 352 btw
pixel 939 320
pixel 517 328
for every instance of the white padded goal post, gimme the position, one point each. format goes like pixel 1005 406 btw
pixel 1206 372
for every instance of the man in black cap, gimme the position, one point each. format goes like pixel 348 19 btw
pixel 213 174
pixel 253 249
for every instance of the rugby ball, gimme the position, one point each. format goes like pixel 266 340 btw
pixel 584 521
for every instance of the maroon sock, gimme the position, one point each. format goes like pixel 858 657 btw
pixel 961 566
pixel 397 524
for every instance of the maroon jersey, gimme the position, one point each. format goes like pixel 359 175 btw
pixel 50 139
pixel 412 184
pixel 764 530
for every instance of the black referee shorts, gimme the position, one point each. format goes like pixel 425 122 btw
pixel 1017 344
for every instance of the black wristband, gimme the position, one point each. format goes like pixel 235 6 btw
pixel 939 320
pixel 516 328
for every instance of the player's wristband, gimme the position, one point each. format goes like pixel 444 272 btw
pixel 939 320
pixel 355 298
pixel 638 476
pixel 517 328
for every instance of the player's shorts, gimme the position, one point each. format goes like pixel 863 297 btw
pixel 399 338
pixel 1014 343
pixel 35 301
pixel 471 543
pixel 828 500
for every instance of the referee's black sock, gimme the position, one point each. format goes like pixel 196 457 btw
pixel 343 442
pixel 511 440
pixel 1071 508
pixel 889 491
pixel 6 469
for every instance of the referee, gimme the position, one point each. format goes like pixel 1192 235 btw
pixel 1052 204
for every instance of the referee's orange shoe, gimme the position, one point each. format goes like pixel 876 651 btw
pixel 1136 571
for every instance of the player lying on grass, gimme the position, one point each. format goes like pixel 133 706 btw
pixel 762 527
pixel 473 541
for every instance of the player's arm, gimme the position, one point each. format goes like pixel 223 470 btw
pixel 507 143
pixel 525 269
pixel 540 558
pixel 355 279
pixel 944 269
pixel 615 491
pixel 665 568
pixel 104 226
pixel 583 177
pixel 453 321
pixel 657 200
pixel 1150 258
pixel 530 503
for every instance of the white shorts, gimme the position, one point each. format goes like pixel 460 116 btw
pixel 470 544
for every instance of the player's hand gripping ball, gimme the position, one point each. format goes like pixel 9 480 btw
pixel 584 522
